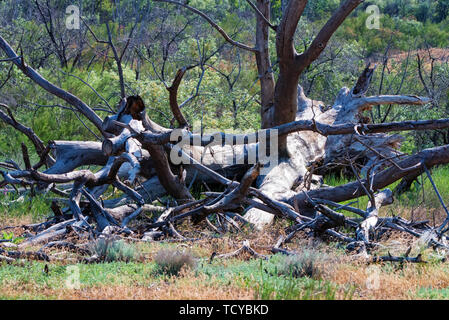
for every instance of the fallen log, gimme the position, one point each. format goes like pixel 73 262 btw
pixel 430 157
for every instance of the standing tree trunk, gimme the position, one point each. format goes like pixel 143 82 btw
pixel 264 64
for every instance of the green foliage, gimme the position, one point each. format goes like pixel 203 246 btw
pixel 10 236
pixel 114 273
pixel 317 10
pixel 13 205
pixel 276 9
pixel 442 10
pixel 400 31
pixel 110 250
pixel 287 286
pixel 268 282
pixel 216 107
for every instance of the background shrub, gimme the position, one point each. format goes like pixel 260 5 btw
pixel 111 250
pixel 171 262
pixel 308 263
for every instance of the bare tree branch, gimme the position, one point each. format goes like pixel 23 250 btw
pixel 321 40
pixel 285 32
pixel 37 142
pixel 213 24
pixel 51 88
pixel 261 15
pixel 173 97
pixel 430 157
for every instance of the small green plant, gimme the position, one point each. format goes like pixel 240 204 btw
pixel 10 237
pixel 13 205
pixel 7 235
pixel 110 250
pixel 170 262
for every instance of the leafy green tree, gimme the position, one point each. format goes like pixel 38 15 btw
pixel 423 12
pixel 442 10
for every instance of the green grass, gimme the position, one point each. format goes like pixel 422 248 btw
pixel 308 263
pixel 264 278
pixel 115 273
pixel 5 235
pixel 259 275
pixel 17 206
pixel 433 294
pixel 288 287
pixel 271 279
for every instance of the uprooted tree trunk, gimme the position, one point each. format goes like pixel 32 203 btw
pixel 315 152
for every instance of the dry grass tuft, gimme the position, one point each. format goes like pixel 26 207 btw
pixel 308 263
pixel 186 288
pixel 171 261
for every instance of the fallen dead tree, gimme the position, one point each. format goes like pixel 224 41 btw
pixel 146 161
